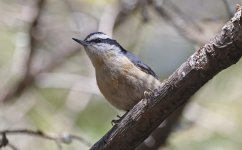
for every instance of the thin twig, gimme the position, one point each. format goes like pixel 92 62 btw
pixel 65 138
pixel 4 141
pixel 125 11
pixel 184 16
pixel 183 24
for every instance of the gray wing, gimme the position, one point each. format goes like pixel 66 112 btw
pixel 134 59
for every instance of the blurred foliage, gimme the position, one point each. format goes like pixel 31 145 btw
pixel 66 98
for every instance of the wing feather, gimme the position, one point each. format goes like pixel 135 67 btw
pixel 134 59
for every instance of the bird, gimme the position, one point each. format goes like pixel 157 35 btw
pixel 120 75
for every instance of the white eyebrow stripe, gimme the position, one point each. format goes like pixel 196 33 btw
pixel 101 36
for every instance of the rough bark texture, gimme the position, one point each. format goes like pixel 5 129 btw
pixel 219 53
pixel 160 135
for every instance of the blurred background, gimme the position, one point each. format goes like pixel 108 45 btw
pixel 48 83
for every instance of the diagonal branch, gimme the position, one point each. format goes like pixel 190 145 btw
pixel 219 53
pixel 160 135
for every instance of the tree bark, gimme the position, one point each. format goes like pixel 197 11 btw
pixel 160 135
pixel 222 51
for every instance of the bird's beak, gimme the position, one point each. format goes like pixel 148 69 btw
pixel 83 43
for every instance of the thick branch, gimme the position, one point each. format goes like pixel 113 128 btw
pixel 160 135
pixel 219 53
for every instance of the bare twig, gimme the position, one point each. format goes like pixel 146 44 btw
pixel 65 139
pixel 219 53
pixel 183 16
pixel 182 23
pixel 4 141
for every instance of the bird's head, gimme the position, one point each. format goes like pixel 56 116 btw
pixel 98 42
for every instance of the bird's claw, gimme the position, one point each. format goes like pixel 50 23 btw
pixel 116 121
pixel 148 94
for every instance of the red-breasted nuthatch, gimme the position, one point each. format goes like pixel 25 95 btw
pixel 121 76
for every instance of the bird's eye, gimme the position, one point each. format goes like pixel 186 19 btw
pixel 97 41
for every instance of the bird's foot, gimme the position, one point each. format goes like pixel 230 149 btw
pixel 151 93
pixel 116 121
pixel 148 94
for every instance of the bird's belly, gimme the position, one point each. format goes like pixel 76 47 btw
pixel 125 87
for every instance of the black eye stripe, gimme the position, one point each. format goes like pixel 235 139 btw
pixel 108 41
pixel 98 40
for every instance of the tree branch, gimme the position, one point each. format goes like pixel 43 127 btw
pixel 160 135
pixel 219 53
